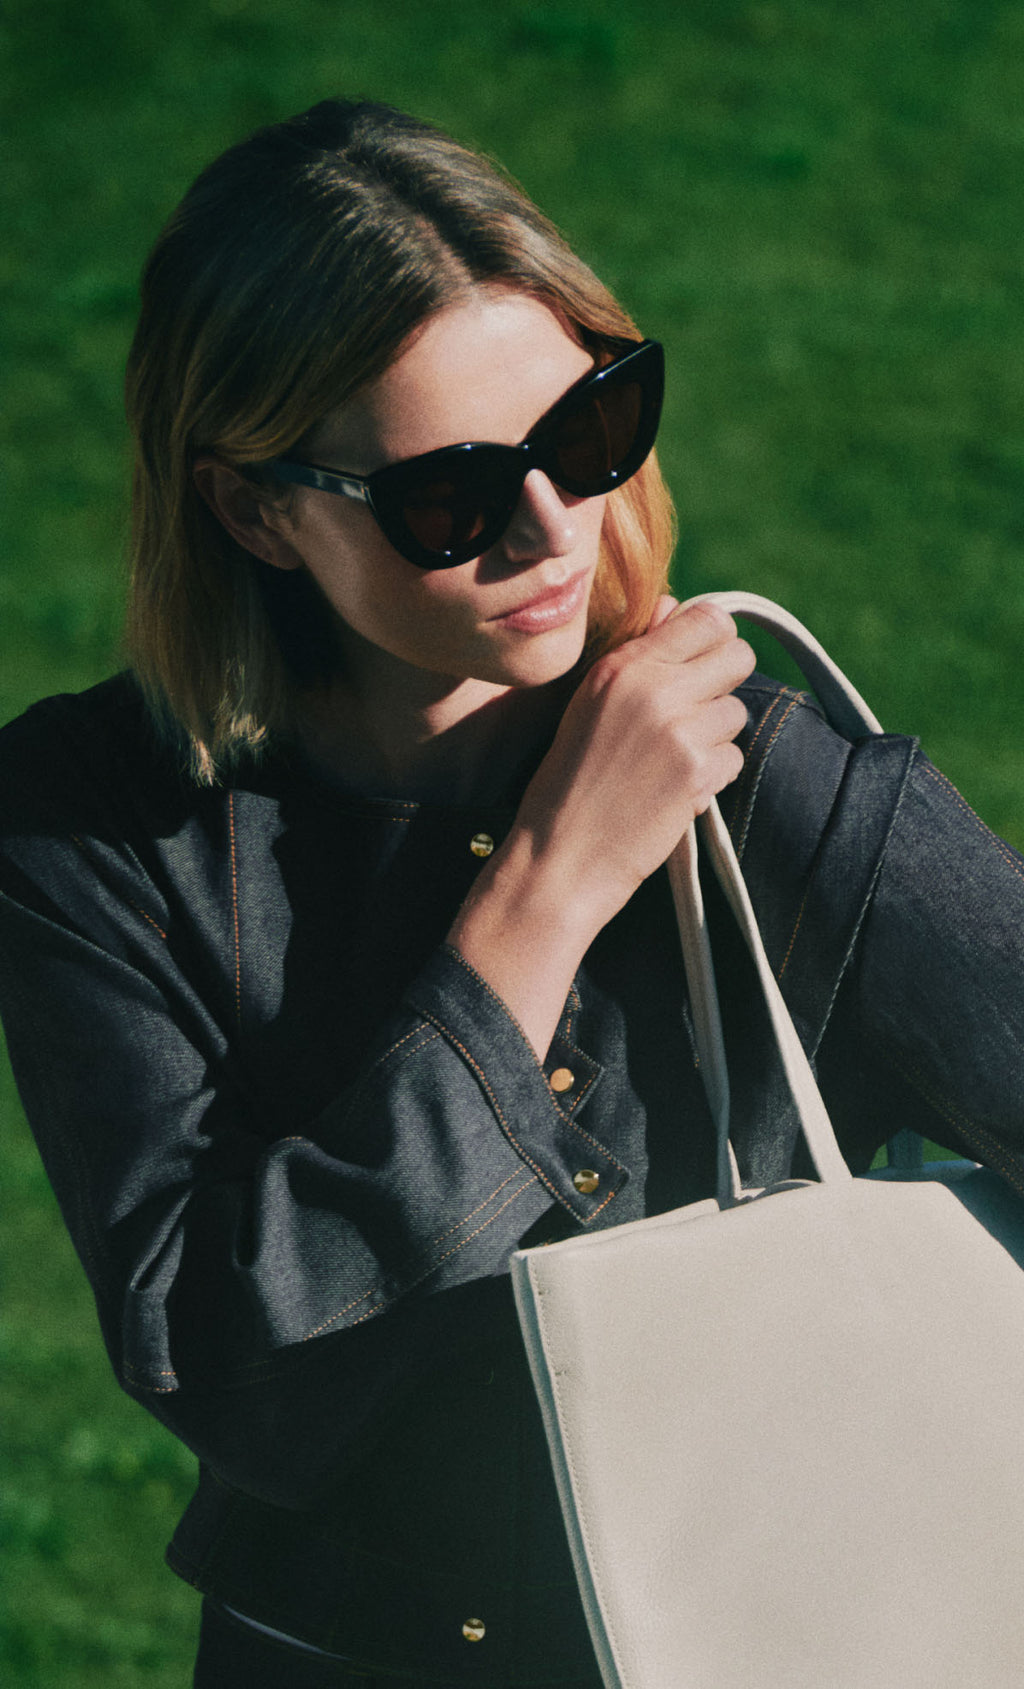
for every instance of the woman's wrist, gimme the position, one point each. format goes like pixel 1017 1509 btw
pixel 525 928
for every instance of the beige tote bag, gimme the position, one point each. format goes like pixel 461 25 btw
pixel 788 1427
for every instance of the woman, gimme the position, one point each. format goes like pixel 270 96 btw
pixel 335 957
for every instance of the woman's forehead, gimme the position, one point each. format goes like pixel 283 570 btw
pixel 483 368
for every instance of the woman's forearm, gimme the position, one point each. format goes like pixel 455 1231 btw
pixel 524 929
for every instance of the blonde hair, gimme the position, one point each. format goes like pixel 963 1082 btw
pixel 291 274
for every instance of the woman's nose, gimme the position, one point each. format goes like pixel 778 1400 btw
pixel 541 525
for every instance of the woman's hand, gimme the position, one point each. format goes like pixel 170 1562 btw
pixel 645 743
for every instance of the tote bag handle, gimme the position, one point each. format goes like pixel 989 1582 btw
pixel 844 708
pixel 847 712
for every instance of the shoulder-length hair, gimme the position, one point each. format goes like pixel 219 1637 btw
pixel 291 274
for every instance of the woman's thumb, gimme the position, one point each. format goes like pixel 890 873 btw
pixel 662 611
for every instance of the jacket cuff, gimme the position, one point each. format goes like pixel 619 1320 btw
pixel 535 1105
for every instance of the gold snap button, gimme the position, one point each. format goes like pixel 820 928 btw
pixel 586 1180
pixel 481 844
pixel 561 1079
pixel 474 1630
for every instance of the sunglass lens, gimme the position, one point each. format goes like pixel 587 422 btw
pixel 592 442
pixel 462 511
pixel 442 514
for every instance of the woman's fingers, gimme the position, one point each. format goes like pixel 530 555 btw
pixel 692 657
pixel 723 765
pixel 682 634
pixel 712 674
pixel 722 719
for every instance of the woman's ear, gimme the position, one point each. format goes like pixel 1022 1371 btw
pixel 248 519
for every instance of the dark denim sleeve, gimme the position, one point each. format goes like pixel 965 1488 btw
pixel 215 1259
pixel 906 974
pixel 427 1171
pixel 940 977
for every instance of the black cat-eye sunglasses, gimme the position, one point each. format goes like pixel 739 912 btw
pixel 447 506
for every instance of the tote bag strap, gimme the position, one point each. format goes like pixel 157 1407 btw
pixel 849 715
pixel 811 1112
pixel 844 708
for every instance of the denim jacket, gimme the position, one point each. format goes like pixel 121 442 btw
pixel 296 1137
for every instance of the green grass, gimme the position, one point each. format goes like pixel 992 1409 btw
pixel 91 1485
pixel 814 204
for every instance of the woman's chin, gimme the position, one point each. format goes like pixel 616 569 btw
pixel 535 659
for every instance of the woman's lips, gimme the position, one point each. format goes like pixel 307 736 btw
pixel 550 609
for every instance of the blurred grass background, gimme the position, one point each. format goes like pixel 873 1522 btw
pixel 815 205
